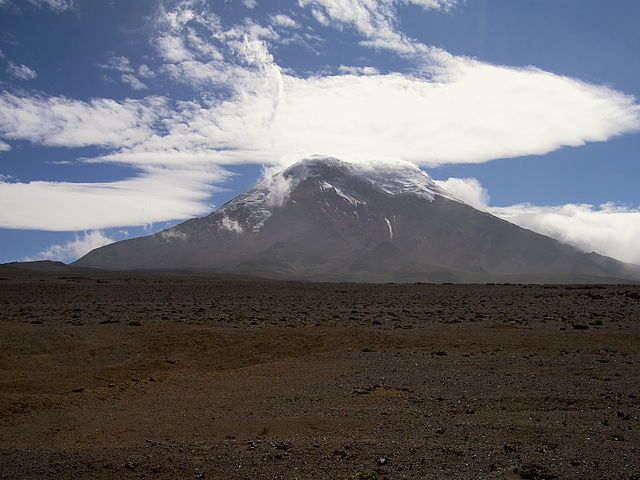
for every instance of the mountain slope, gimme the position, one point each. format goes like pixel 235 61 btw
pixel 324 219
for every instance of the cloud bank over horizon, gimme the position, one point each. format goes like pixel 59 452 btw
pixel 440 109
pixel 608 229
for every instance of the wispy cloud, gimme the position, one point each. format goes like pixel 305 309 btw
pixel 156 195
pixel 56 5
pixel 118 63
pixel 377 22
pixel 21 72
pixel 64 122
pixel 133 81
pixel 282 20
pixel 129 74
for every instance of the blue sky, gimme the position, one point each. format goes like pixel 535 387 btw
pixel 122 118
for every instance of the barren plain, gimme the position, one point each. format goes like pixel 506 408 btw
pixel 158 376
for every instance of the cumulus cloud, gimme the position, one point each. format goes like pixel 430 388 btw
pixel 118 63
pixel 4 147
pixel 349 70
pixel 607 229
pixel 74 249
pixel 173 49
pixel 133 81
pixel 21 72
pixel 468 190
pixel 145 72
pixel 282 20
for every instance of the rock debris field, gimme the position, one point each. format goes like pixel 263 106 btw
pixel 158 376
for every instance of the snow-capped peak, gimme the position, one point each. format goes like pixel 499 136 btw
pixel 392 178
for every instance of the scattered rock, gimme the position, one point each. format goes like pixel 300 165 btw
pixel 529 472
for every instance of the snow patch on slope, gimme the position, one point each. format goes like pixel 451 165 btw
pixel 231 225
pixel 392 178
pixel 173 234
pixel 390 229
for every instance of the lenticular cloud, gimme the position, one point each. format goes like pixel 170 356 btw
pixel 476 113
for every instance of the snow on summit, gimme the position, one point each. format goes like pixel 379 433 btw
pixel 392 178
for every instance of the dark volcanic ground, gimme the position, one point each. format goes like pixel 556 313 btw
pixel 194 376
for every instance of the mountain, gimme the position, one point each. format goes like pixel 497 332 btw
pixel 325 219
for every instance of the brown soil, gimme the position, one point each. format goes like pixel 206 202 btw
pixel 196 376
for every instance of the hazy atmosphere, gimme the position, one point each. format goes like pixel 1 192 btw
pixel 121 118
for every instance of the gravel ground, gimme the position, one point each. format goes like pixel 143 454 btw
pixel 201 376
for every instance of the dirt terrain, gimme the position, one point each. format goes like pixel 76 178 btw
pixel 201 376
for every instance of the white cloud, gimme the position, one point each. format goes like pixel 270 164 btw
pixel 118 63
pixel 133 82
pixel 74 249
pixel 358 70
pixel 285 21
pixel 60 121
pixel 606 229
pixel 4 147
pixel 155 196
pixel 21 72
pixel 173 49
pixel 476 113
pixel 277 186
pixel 128 72
pixel 145 72
pixel 375 20
pixel 56 5
pixel 468 190
pixel 250 3
pixel 479 113
pixel 458 110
